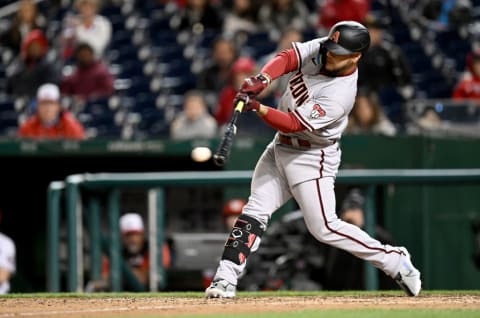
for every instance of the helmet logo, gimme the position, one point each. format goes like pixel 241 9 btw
pixel 335 36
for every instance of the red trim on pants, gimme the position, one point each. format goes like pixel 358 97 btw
pixel 346 235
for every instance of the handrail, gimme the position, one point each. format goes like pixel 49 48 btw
pixel 149 180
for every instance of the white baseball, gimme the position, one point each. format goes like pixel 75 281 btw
pixel 201 154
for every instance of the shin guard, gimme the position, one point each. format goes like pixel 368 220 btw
pixel 241 239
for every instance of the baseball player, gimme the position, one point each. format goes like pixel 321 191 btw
pixel 303 158
pixel 7 262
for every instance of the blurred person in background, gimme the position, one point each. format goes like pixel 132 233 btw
pixel 198 16
pixel 32 68
pixel 26 19
pixel 242 18
pixel 443 15
pixel 333 11
pixel 278 16
pixel 216 73
pixel 468 87
pixel 243 68
pixel 194 121
pixel 384 65
pixel 51 120
pixel 86 26
pixel 7 261
pixel 135 252
pixel 91 77
pixel 231 211
pixel 368 117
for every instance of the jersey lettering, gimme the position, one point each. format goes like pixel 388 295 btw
pixel 299 89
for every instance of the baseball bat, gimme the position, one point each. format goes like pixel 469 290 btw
pixel 225 146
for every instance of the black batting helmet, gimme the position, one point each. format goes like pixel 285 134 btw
pixel 348 37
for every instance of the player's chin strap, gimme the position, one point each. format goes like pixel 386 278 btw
pixel 242 237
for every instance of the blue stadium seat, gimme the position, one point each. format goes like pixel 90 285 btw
pixel 8 119
pixel 131 68
pixel 139 84
pixel 121 38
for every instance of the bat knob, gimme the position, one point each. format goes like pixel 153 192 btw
pixel 219 160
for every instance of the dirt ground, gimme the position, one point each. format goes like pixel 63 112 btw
pixel 174 306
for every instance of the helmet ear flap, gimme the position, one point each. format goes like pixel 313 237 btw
pixel 322 54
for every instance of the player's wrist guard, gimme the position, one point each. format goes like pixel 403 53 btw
pixel 256 84
pixel 265 78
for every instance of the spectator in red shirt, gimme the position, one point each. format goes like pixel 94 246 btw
pixel 469 86
pixel 333 11
pixel 91 78
pixel 242 68
pixel 51 121
pixel 31 68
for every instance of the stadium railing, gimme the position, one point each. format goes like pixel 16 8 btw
pixel 155 182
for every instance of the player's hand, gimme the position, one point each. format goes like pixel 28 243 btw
pixel 251 104
pixel 255 85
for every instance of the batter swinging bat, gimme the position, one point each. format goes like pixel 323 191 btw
pixel 223 152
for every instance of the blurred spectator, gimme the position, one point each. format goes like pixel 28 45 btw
pixel 194 121
pixel 368 117
pixel 135 252
pixel 86 26
pixel 7 262
pixel 446 14
pixel 32 68
pixel 50 120
pixel 428 121
pixel 197 16
pixel 217 72
pixel 243 68
pixel 242 18
pixel 26 19
pixel 231 211
pixel 333 11
pixel 278 87
pixel 384 65
pixel 90 79
pixel 343 271
pixel 468 87
pixel 278 16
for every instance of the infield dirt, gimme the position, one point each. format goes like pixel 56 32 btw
pixel 132 306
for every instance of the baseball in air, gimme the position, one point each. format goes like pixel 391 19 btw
pixel 201 154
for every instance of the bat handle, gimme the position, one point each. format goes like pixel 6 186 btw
pixel 239 106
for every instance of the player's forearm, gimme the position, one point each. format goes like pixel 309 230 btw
pixel 284 122
pixel 283 63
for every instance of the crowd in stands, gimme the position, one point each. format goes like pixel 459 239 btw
pixel 136 69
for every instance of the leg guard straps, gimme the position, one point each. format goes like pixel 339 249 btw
pixel 241 239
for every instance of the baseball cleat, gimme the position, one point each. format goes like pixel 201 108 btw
pixel 408 278
pixel 220 289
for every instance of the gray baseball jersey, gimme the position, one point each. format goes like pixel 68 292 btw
pixel 307 173
pixel 7 260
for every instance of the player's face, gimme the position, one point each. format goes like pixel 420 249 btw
pixel 341 64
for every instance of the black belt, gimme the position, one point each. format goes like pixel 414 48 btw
pixel 298 142
pixel 287 140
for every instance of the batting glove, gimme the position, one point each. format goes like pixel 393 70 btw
pixel 251 104
pixel 256 84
